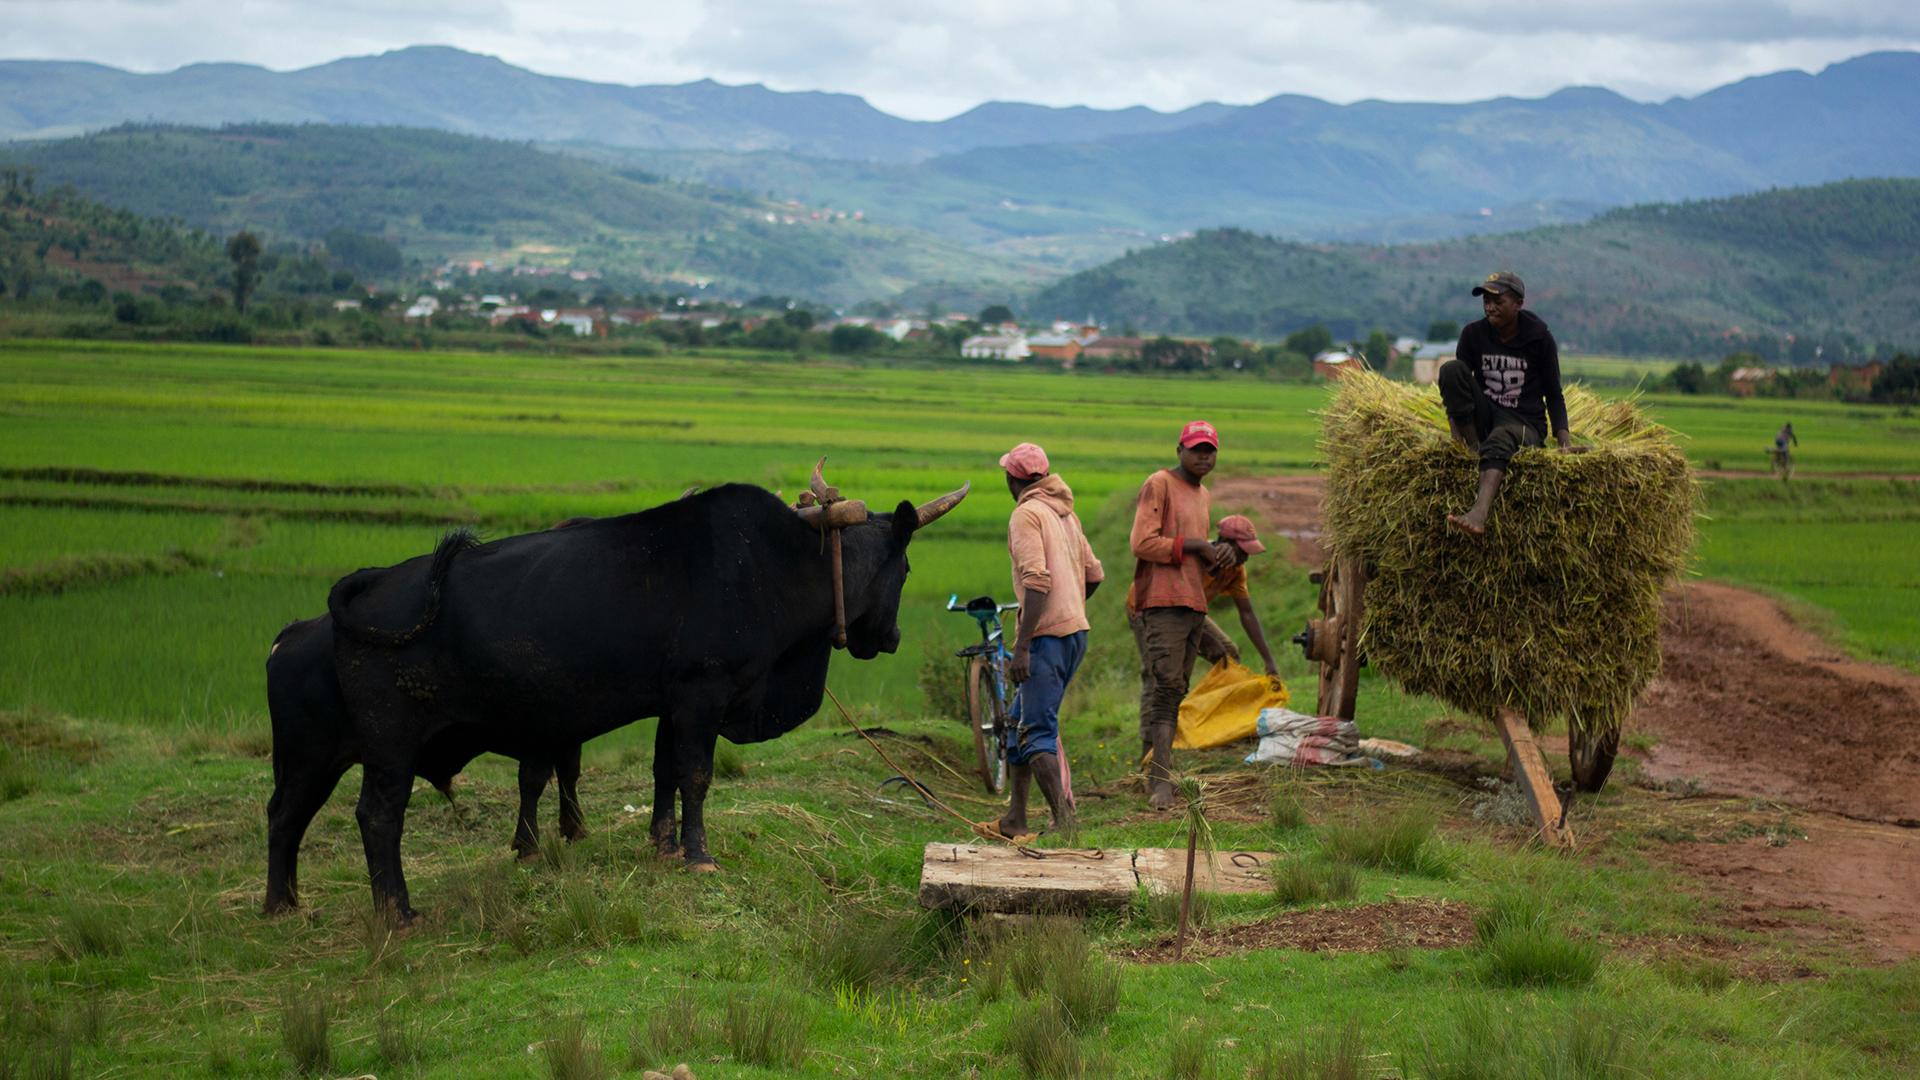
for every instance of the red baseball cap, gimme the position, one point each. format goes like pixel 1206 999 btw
pixel 1199 432
pixel 1238 529
pixel 1025 462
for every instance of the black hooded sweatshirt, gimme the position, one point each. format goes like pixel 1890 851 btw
pixel 1522 374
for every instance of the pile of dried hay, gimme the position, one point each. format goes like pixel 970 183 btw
pixel 1555 612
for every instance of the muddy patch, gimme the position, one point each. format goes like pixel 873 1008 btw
pixel 1396 924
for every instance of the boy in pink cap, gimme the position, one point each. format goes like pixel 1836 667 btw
pixel 1237 530
pixel 1167 606
pixel 1054 572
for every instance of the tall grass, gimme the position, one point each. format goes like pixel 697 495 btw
pixel 1524 945
pixel 571 1055
pixel 305 1032
pixel 1403 843
pixel 766 1029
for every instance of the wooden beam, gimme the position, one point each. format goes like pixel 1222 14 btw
pixel 1536 783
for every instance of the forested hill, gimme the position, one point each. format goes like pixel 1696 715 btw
pixel 1831 265
pixel 438 195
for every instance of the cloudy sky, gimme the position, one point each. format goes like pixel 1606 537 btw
pixel 928 61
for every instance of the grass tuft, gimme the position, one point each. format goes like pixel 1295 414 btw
pixel 1283 801
pixel 396 1040
pixel 1043 1041
pixel 1313 881
pixel 1190 1053
pixel 768 1030
pixel 729 762
pixel 303 1033
pixel 1403 843
pixel 571 1056
pixel 676 1028
pixel 1337 1054
pixel 87 928
pixel 1540 954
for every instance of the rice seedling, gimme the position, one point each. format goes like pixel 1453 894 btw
pixel 769 1030
pixel 1554 612
pixel 572 1056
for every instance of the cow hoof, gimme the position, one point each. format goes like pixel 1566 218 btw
pixel 525 855
pixel 574 834
pixel 702 866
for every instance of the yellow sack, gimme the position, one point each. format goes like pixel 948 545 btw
pixel 1225 706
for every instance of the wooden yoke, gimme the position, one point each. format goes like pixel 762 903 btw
pixel 822 507
pixel 1530 771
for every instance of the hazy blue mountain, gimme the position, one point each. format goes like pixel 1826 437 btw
pixel 453 90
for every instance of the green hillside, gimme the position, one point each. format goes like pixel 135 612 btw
pixel 1829 266
pixel 438 196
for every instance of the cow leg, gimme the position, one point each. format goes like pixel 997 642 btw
pixel 567 765
pixel 664 829
pixel 296 798
pixel 693 759
pixel 533 783
pixel 382 814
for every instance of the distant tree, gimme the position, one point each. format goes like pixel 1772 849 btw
pixel 1166 352
pixel 1900 383
pixel 799 318
pixel 1443 330
pixel 243 249
pixel 371 255
pixel 1311 341
pixel 1687 379
pixel 994 314
pixel 1378 350
pixel 848 339
pixel 1231 352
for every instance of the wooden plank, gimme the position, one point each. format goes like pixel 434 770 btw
pixel 1536 783
pixel 1165 869
pixel 996 877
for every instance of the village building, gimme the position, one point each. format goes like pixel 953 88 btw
pixel 1113 348
pixel 995 347
pixel 1336 363
pixel 1062 348
pixel 1744 381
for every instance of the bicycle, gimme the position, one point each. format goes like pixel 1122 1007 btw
pixel 1782 461
pixel 990 693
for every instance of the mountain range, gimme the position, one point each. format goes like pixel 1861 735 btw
pixel 1072 186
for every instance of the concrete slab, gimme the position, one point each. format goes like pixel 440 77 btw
pixel 1165 870
pixel 995 877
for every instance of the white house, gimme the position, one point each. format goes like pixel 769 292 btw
pixel 996 347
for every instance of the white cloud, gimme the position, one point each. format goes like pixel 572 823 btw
pixel 930 60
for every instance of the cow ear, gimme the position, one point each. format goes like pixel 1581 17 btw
pixel 905 520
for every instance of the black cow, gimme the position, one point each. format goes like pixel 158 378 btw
pixel 714 613
pixel 314 743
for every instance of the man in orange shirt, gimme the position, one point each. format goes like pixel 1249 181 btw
pixel 1237 530
pixel 1168 603
pixel 1054 572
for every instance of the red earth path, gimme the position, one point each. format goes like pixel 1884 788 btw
pixel 1749 703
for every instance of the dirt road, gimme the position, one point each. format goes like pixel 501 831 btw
pixel 1750 704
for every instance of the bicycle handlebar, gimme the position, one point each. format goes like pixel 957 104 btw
pixel 954 604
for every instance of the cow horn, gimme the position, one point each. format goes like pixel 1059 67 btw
pixel 933 511
pixel 818 484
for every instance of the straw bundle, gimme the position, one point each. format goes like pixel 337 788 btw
pixel 1555 612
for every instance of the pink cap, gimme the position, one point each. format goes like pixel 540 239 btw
pixel 1238 529
pixel 1199 432
pixel 1025 462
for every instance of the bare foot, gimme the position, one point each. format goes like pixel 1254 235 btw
pixel 1466 524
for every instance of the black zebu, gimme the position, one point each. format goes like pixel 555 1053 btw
pixel 714 613
pixel 314 743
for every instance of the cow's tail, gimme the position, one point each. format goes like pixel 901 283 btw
pixel 349 588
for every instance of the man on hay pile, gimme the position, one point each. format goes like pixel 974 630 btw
pixel 1054 572
pixel 1501 388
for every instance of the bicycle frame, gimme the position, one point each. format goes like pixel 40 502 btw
pixel 989 707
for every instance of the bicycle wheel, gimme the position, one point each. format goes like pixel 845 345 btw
pixel 989 750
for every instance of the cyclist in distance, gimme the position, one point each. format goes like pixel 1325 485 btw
pixel 1054 572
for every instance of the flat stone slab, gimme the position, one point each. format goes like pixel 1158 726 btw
pixel 1001 878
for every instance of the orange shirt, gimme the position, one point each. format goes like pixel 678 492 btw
pixel 1231 583
pixel 1051 553
pixel 1169 512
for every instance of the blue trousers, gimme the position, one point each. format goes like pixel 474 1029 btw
pixel 1036 716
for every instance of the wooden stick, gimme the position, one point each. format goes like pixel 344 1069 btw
pixel 1186 895
pixel 1530 771
pixel 839 596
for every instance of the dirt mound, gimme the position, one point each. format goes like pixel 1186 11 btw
pixel 1285 505
pixel 1397 924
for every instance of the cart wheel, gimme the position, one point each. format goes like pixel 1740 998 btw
pixel 1591 754
pixel 989 752
pixel 1340 604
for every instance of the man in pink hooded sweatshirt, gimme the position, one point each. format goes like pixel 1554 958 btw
pixel 1054 572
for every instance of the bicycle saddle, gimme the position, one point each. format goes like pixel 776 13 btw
pixel 981 603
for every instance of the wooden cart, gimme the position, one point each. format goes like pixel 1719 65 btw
pixel 1332 640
